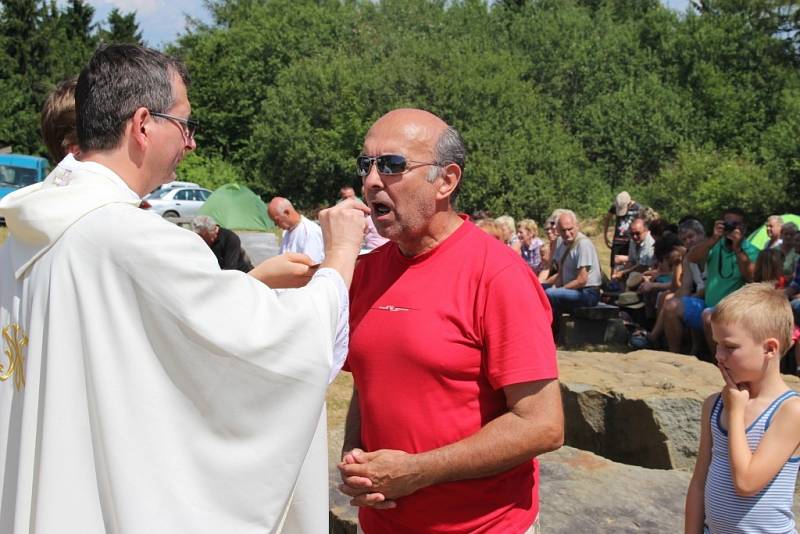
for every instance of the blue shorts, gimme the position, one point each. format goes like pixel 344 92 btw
pixel 693 312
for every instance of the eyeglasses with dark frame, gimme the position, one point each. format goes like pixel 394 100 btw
pixel 189 126
pixel 389 164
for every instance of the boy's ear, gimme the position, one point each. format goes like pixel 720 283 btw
pixel 772 347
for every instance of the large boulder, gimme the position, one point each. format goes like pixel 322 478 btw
pixel 583 492
pixel 640 408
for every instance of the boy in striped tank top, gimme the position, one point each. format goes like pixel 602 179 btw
pixel 747 461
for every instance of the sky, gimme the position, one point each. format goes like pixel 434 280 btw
pixel 161 21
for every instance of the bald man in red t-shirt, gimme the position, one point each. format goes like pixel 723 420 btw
pixel 454 365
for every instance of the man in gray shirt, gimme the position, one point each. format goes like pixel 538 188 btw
pixel 640 250
pixel 578 279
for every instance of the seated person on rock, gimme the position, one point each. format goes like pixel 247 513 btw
pixel 578 278
pixel 640 251
pixel 552 240
pixel 730 262
pixel 679 310
pixel 661 282
pixel 224 243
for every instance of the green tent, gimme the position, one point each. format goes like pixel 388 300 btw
pixel 759 237
pixel 236 207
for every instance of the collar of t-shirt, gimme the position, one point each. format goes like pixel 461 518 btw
pixel 447 243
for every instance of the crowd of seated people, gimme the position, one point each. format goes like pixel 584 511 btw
pixel 668 277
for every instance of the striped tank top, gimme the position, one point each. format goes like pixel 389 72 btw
pixel 770 510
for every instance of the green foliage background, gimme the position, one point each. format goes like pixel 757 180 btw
pixel 562 103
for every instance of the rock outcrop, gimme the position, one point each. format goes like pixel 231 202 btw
pixel 640 408
pixel 639 415
pixel 583 492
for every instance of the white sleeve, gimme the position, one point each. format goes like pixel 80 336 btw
pixel 341 339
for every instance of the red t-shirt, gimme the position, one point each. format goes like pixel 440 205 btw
pixel 434 339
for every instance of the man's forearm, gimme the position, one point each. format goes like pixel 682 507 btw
pixel 499 446
pixel 699 252
pixel 575 284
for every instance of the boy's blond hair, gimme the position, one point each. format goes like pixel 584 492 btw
pixel 58 120
pixel 761 310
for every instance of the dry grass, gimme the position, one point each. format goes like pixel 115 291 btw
pixel 339 395
pixel 593 228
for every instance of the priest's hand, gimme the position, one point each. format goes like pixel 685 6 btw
pixel 287 270
pixel 390 473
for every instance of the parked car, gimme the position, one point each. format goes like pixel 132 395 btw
pixel 17 171
pixel 181 200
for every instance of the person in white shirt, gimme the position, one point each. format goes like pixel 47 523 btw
pixel 143 389
pixel 299 233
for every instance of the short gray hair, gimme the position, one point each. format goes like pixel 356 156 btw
pixel 692 224
pixel 568 213
pixel 203 223
pixel 449 148
pixel 775 218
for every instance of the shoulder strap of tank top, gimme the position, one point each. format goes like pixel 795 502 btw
pixel 777 404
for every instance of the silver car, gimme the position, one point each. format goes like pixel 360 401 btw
pixel 176 201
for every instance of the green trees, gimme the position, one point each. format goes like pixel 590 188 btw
pixel 562 103
pixel 42 43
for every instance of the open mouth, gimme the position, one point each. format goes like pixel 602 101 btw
pixel 379 208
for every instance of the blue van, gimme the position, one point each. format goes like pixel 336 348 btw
pixel 17 171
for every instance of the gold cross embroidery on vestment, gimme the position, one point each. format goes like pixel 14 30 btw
pixel 15 343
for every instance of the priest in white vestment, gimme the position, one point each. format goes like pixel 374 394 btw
pixel 142 389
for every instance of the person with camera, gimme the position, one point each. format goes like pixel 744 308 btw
pixel 730 263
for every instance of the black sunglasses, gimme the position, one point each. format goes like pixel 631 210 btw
pixel 388 164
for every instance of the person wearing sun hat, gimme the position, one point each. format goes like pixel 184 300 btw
pixel 624 210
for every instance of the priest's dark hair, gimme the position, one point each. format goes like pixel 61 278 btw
pixel 119 79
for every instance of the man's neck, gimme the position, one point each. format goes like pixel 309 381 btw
pixel 295 223
pixel 123 167
pixel 442 226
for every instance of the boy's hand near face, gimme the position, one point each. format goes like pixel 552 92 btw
pixel 734 398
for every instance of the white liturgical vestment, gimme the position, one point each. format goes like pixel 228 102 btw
pixel 142 389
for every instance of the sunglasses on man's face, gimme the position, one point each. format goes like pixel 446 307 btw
pixel 388 164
